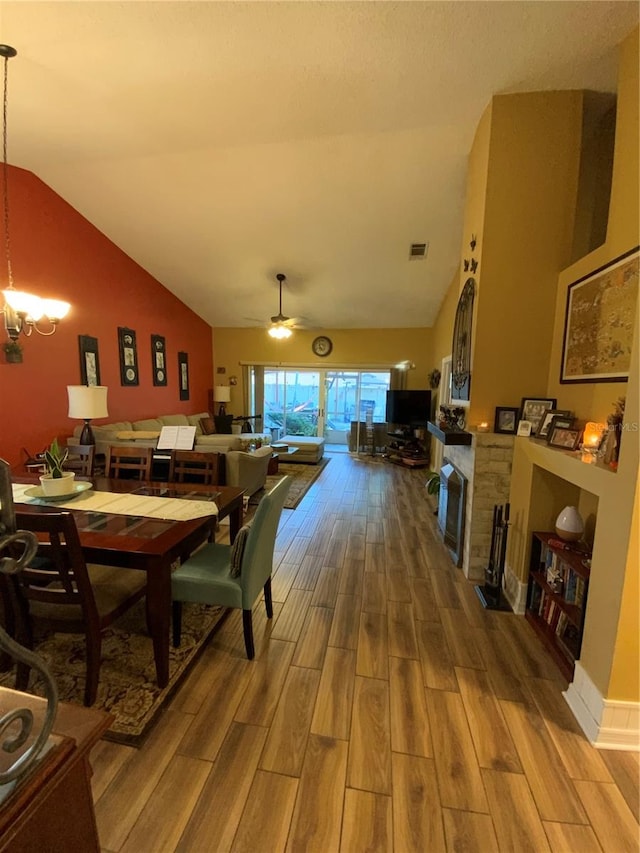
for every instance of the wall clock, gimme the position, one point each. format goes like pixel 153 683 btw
pixel 322 345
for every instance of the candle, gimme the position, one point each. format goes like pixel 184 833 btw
pixel 592 435
pixel 483 426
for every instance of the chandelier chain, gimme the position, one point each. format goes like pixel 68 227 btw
pixel 5 174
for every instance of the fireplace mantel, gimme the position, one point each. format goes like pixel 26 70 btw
pixel 449 436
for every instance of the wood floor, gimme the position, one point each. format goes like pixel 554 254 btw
pixel 385 709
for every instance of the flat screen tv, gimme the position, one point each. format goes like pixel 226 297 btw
pixel 408 408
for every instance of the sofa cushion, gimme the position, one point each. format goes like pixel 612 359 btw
pixel 194 420
pixel 174 420
pixel 148 425
pixel 207 426
pixel 219 443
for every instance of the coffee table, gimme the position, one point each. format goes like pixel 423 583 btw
pixel 281 451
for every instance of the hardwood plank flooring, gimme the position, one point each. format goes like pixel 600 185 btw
pixel 384 710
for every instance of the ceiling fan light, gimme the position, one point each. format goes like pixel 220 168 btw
pixel 280 332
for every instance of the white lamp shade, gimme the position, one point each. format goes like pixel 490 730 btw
pixel 87 401
pixel 222 394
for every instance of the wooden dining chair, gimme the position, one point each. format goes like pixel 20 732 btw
pixel 81 459
pixel 69 596
pixel 192 466
pixel 122 462
pixel 234 575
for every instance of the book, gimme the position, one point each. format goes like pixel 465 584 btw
pixel 176 438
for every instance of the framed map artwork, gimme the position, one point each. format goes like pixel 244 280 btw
pixel 599 323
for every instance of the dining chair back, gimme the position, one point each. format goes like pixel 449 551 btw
pixel 81 459
pixel 208 576
pixel 129 462
pixel 64 593
pixel 192 466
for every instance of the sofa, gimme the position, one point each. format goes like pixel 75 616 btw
pixel 245 468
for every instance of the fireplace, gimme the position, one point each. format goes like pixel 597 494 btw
pixel 451 508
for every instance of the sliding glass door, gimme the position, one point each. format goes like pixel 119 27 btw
pixel 335 404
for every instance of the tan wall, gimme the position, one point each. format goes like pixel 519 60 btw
pixel 353 347
pixel 610 646
pixel 528 233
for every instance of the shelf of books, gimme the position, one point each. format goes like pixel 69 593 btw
pixel 557 596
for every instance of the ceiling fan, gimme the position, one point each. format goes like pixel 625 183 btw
pixel 279 322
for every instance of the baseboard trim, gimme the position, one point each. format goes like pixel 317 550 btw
pixel 608 724
pixel 515 591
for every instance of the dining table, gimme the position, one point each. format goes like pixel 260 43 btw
pixel 150 544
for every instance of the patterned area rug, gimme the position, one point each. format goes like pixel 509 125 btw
pixel 127 687
pixel 303 477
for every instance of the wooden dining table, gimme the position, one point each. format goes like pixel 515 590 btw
pixel 149 544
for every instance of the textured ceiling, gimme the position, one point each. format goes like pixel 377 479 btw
pixel 218 143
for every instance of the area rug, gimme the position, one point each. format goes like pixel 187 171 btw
pixel 303 477
pixel 128 687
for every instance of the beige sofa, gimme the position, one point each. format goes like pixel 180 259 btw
pixel 245 469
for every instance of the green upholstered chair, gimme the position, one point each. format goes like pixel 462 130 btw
pixel 207 576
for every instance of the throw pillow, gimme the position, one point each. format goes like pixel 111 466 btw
pixel 207 425
pixel 237 549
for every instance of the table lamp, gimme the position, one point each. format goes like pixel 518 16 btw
pixel 87 402
pixel 222 395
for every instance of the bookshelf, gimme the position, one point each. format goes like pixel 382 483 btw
pixel 557 597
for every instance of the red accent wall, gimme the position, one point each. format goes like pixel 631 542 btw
pixel 57 253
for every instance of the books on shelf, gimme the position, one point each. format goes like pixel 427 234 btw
pixel 176 438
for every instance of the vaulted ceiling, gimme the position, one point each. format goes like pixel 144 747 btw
pixel 220 143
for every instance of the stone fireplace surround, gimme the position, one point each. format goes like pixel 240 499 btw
pixel 486 463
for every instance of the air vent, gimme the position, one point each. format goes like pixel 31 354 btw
pixel 418 251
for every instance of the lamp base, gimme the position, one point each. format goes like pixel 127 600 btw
pixel 222 410
pixel 86 436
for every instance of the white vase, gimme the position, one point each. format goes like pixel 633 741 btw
pixel 54 486
pixel 569 524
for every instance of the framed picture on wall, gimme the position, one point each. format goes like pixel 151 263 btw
pixel 183 375
pixel 599 322
pixel 128 356
pixel 159 359
pixel 89 361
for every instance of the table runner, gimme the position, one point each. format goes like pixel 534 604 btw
pixel 171 509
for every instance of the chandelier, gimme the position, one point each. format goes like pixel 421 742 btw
pixel 22 311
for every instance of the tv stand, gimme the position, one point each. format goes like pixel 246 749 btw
pixel 405 449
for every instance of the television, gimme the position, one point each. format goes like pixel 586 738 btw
pixel 408 408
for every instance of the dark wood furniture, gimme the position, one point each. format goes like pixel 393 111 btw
pixel 193 466
pixel 51 809
pixel 81 459
pixel 150 545
pixel 129 461
pixel 448 435
pixel 557 598
pixel 67 595
pixel 407 450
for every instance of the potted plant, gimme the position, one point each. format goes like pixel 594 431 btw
pixel 56 481
pixel 12 352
